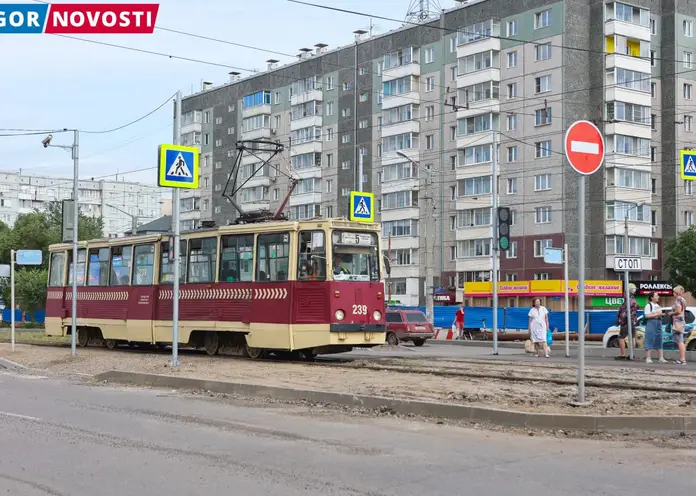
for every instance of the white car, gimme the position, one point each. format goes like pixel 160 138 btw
pixel 611 336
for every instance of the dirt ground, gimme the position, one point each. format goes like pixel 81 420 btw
pixel 442 380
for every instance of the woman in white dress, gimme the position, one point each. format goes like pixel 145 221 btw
pixel 538 325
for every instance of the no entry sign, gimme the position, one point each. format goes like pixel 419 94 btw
pixel 584 147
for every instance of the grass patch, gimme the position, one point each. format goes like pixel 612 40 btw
pixel 37 337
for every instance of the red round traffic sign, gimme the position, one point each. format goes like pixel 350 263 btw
pixel 584 147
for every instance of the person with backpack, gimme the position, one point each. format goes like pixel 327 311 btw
pixel 622 321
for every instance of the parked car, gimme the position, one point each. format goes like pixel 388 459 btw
pixel 408 325
pixel 611 336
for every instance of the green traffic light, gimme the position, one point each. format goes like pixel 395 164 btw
pixel 504 243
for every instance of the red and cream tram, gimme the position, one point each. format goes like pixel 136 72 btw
pixel 284 287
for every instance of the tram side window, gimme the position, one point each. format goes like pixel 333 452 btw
pixel 272 257
pixel 143 265
pixel 98 268
pixel 237 258
pixel 55 278
pixel 311 265
pixel 120 265
pixel 202 260
pixel 81 254
pixel 167 268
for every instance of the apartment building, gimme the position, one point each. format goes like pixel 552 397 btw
pixel 426 107
pixel 116 202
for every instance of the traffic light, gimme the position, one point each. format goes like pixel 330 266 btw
pixel 504 228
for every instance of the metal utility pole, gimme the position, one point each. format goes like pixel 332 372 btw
pixel 565 290
pixel 177 242
pixel 627 294
pixel 360 172
pixel 581 290
pixel 134 219
pixel 494 236
pixel 12 298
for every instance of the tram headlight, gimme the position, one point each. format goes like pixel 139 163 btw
pixel 377 315
pixel 340 315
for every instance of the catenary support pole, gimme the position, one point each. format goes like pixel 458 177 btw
pixel 567 309
pixel 627 295
pixel 76 220
pixel 177 243
pixel 494 238
pixel 12 297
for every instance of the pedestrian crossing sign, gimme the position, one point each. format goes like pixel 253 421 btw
pixel 178 166
pixel 362 206
pixel 687 164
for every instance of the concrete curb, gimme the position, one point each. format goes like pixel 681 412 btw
pixel 9 364
pixel 508 418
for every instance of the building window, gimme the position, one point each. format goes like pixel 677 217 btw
pixel 542 19
pixel 653 89
pixel 429 142
pixel 542 276
pixel 653 122
pixel 453 162
pixel 363 123
pixel 539 245
pixel 653 27
pixel 543 116
pixel 347 85
pixel 345 138
pixel 218 165
pixel 653 153
pixel 453 133
pixel 512 252
pixel 345 112
pixel 218 120
pixel 687 60
pixel 512 122
pixel 512 59
pixel 542 149
pixel 218 142
pixel 542 182
pixel 329 134
pixel 345 191
pixel 687 91
pixel 512 153
pixel 206 139
pixel 688 28
pixel 453 44
pixel 688 123
pixel 653 186
pixel 688 188
pixel 542 84
pixel 429 84
pixel 653 250
pixel 543 51
pixel 542 215
pixel 512 185
pixel 329 83
pixel 364 96
pixel 453 73
pixel 472 248
pixel 512 90
pixel 652 58
pixel 329 108
pixel 429 112
pixel 688 218
pixel 429 55
pixel 512 28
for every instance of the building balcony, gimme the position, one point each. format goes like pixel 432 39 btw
pixel 261 133
pixel 482 138
pixel 307 96
pixel 314 146
pixel 621 94
pixel 412 126
pixel 617 60
pixel 476 170
pixel 401 242
pixel 474 201
pixel 474 263
pixel 256 110
pixel 477 232
pixel 628 129
pixel 630 195
pixel 193 127
pixel 635 229
pixel 393 101
pixel 646 262
pixel 477 77
pixel 308 173
pixel 389 158
pixel 313 198
pixel 410 69
pixel 400 213
pixel 482 45
pixel 618 159
pixel 309 121
pixel 255 205
pixel 412 184
pixel 248 158
pixel 476 108
pixel 404 271
pixel 627 29
pixel 257 180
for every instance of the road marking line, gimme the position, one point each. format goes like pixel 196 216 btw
pixel 584 147
pixel 16 415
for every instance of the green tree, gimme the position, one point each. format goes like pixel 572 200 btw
pixel 680 254
pixel 30 289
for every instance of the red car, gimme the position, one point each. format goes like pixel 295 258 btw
pixel 408 325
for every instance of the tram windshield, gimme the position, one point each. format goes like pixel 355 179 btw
pixel 355 256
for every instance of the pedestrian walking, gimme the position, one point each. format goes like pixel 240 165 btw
pixel 679 323
pixel 653 328
pixel 538 325
pixel 459 321
pixel 622 322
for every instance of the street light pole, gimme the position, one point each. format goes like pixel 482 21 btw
pixel 75 150
pixel 134 219
pixel 627 293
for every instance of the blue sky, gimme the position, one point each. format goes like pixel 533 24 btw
pixel 52 82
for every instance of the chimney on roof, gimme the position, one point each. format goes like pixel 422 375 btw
pixel 360 34
pixel 305 53
pixel 234 76
pixel 272 64
pixel 320 48
pixel 206 85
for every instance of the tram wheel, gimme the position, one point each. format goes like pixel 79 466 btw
pixel 111 343
pixel 83 337
pixel 211 343
pixel 254 353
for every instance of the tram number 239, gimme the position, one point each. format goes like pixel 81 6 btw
pixel 359 309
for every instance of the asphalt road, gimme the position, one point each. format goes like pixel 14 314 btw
pixel 451 351
pixel 67 439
